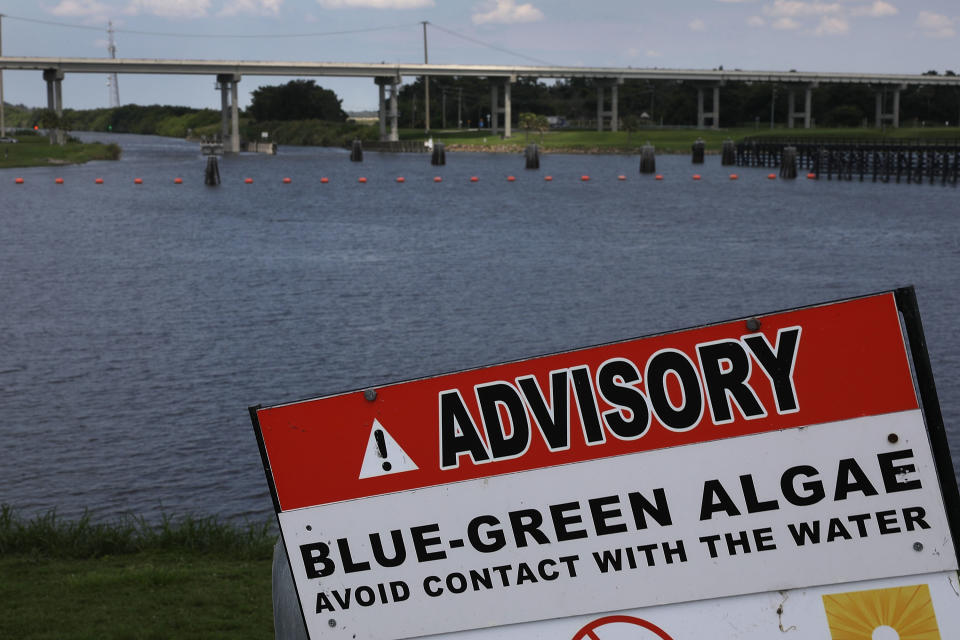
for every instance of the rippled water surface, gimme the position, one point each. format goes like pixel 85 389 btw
pixel 138 323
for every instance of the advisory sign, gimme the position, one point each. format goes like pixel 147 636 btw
pixel 730 461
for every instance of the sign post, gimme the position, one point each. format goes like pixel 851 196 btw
pixel 773 472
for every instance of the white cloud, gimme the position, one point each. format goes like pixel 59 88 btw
pixel 756 21
pixel 235 7
pixel 936 25
pixel 375 4
pixel 506 12
pixel 878 9
pixel 169 8
pixel 697 25
pixel 653 53
pixel 799 9
pixel 832 26
pixel 75 8
pixel 785 24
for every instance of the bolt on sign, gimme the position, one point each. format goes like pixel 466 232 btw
pixel 787 472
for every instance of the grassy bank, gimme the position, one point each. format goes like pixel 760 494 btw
pixel 665 140
pixel 34 150
pixel 181 578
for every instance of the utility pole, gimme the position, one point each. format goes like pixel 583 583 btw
pixel 3 126
pixel 459 105
pixel 112 78
pixel 426 82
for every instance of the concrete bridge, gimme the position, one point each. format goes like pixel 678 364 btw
pixel 228 73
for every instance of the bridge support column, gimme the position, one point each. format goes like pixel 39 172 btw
pixel 394 112
pixel 713 115
pixel 494 108
pixel 893 118
pixel 229 111
pixel 600 111
pixel 806 114
pixel 612 112
pixel 383 113
pixel 507 110
pixel 54 80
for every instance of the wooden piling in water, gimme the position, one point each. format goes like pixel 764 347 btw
pixel 356 151
pixel 648 159
pixel 728 154
pixel 211 175
pixel 532 156
pixel 439 156
pixel 699 150
pixel 788 163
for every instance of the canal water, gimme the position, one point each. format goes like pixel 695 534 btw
pixel 138 322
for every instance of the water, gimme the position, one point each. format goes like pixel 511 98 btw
pixel 138 323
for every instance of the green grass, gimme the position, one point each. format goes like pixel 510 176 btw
pixel 34 150
pixel 180 578
pixel 664 140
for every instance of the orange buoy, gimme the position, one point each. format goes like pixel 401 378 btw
pixel 585 178
pixel 324 180
pixel 621 177
pixel 548 178
pixel 18 180
pixel 362 180
pixel 98 181
pixel 811 176
pixel 696 176
pixel 474 179
pixel 178 181
pixel 248 181
pixel 659 176
pixel 58 181
pixel 511 179
pixel 734 176
pixel 287 181
pixel 438 179
pixel 138 181
pixel 401 179
pixel 771 176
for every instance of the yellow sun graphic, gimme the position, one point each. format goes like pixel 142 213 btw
pixel 906 610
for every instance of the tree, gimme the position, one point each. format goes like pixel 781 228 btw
pixel 630 124
pixel 296 100
pixel 528 121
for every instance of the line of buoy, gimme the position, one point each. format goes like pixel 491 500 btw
pixel 402 179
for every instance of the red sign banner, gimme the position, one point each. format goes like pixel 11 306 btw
pixel 802 367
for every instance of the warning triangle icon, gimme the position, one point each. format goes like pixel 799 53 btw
pixel 383 455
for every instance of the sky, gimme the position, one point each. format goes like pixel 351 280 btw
pixel 868 36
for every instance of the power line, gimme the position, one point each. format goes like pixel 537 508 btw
pixel 489 46
pixel 165 34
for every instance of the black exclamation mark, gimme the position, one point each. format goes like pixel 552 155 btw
pixel 382 448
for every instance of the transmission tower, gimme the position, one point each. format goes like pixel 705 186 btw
pixel 112 78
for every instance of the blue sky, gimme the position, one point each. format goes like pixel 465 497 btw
pixel 879 36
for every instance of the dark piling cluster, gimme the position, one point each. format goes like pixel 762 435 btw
pixel 648 159
pixel 699 149
pixel 910 161
pixel 211 175
pixel 532 155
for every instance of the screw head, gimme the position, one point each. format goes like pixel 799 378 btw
pixel 753 324
pixel 332 622
pixel 918 546
pixel 370 395
pixel 893 438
